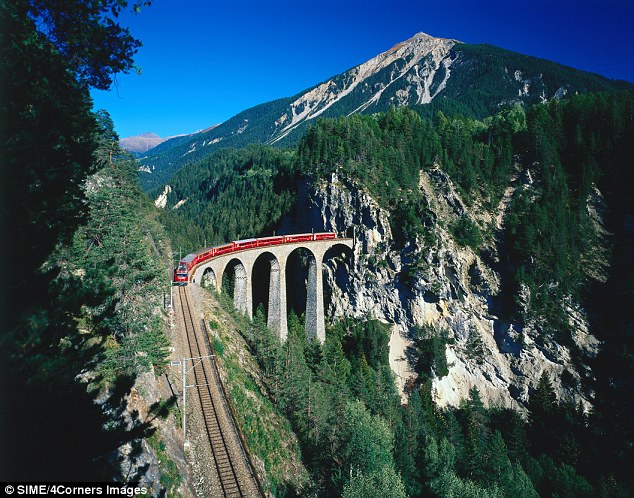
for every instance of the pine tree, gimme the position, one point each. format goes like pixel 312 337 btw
pixel 476 436
pixel 367 441
pixel 542 415
pixel 383 483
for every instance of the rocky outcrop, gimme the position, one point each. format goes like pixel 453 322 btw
pixel 147 438
pixel 161 200
pixel 439 284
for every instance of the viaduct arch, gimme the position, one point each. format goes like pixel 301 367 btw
pixel 277 256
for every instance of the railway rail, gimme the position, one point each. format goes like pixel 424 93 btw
pixel 234 472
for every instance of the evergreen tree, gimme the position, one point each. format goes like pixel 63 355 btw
pixel 476 436
pixel 382 483
pixel 367 441
pixel 542 413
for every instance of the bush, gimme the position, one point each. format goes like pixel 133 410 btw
pixel 431 345
pixel 466 233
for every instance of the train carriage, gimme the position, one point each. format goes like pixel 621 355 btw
pixel 187 264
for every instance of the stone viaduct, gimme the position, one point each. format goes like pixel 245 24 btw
pixel 277 256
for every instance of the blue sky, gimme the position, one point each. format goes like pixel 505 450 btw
pixel 204 61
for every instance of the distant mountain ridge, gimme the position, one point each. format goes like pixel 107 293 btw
pixel 475 80
pixel 141 143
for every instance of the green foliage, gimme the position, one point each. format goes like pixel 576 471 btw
pixel 45 158
pixel 230 195
pixel 74 281
pixel 266 431
pixel 356 436
pixel 474 348
pixel 88 36
pixel 386 153
pixel 367 441
pixel 171 478
pixel 114 259
pixel 99 269
pixel 386 150
pixel 218 346
pixel 166 159
pixel 369 339
pixel 449 485
pixel 431 345
pixel 382 483
pixel 482 77
pixel 562 480
pixel 573 146
pixel 342 426
pixel 466 232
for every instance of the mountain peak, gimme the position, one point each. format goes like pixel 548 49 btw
pixel 424 38
pixel 417 60
pixel 141 143
pixel 471 79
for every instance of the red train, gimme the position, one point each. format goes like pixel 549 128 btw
pixel 185 265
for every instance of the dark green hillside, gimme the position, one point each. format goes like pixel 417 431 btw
pixel 483 79
pixel 251 126
pixel 577 145
pixel 232 194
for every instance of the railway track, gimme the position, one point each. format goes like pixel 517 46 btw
pixel 235 475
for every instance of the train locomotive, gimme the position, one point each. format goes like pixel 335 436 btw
pixel 189 262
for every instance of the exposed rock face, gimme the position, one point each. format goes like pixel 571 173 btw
pixel 414 64
pixel 444 285
pixel 161 200
pixel 136 460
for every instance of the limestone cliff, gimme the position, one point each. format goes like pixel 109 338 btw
pixel 440 284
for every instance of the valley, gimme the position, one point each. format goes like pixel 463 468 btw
pixel 422 285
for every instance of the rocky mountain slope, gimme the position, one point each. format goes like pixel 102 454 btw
pixel 450 288
pixel 472 79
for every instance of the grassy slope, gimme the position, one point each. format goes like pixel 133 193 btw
pixel 271 442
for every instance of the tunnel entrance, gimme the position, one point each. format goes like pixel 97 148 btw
pixel 336 268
